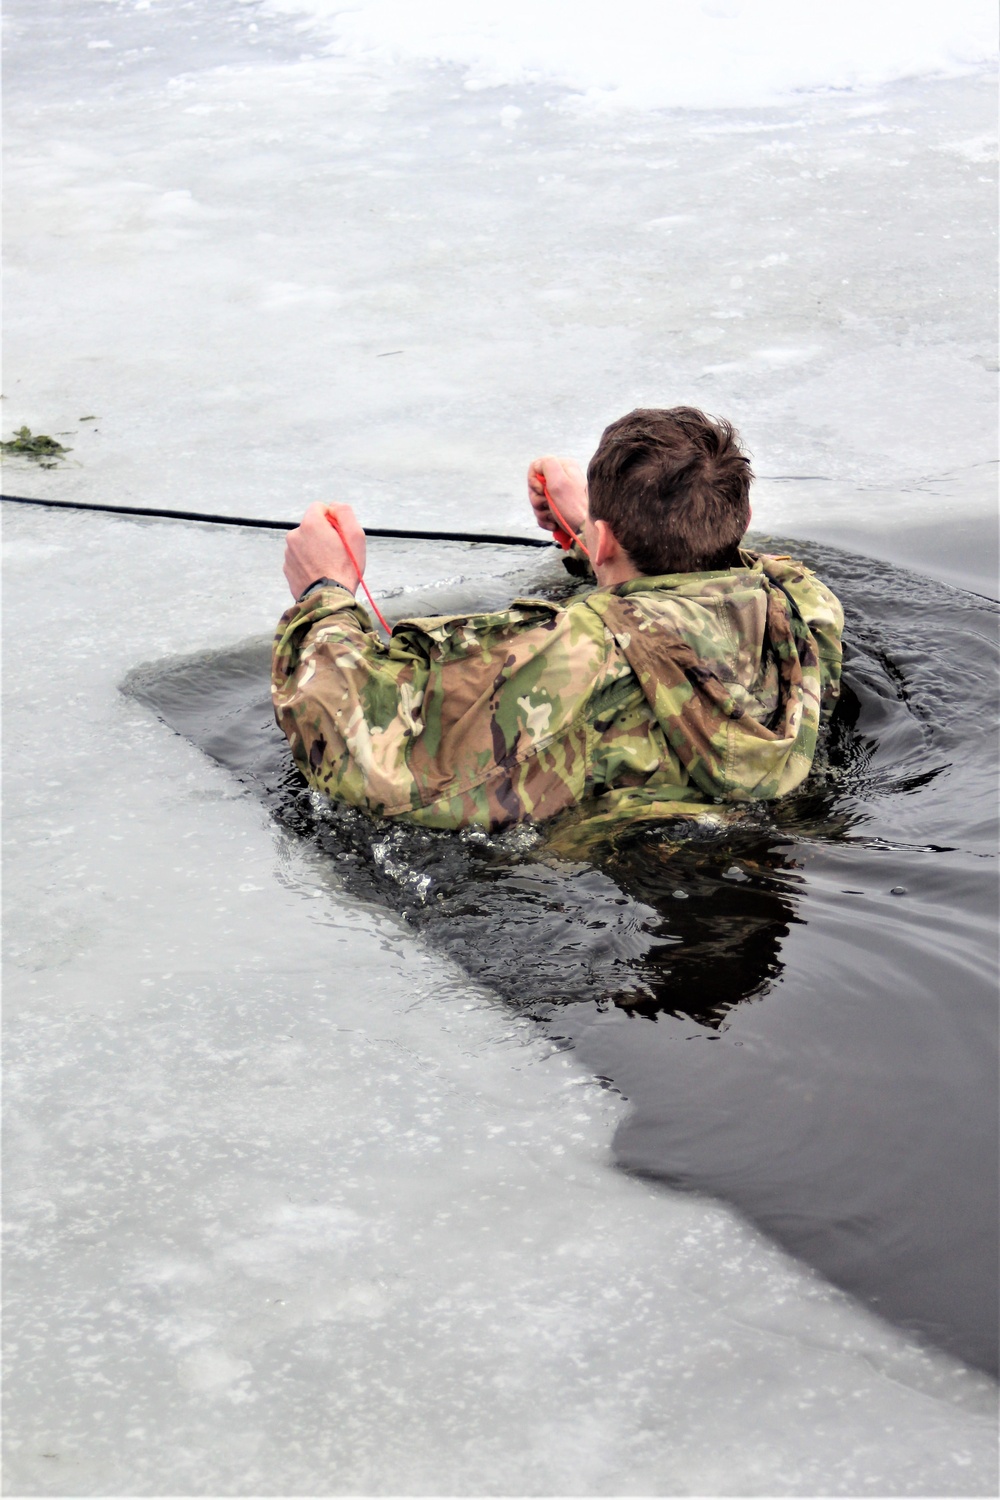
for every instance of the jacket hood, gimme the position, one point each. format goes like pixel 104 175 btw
pixel 737 667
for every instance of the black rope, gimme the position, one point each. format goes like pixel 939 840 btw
pixel 195 515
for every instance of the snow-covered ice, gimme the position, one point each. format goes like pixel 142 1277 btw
pixel 274 277
pixel 292 1207
pixel 675 53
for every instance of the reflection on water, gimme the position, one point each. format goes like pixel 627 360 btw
pixel 838 949
pixel 723 912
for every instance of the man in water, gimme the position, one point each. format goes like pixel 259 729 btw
pixel 694 674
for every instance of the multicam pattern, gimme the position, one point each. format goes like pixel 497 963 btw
pixel 662 697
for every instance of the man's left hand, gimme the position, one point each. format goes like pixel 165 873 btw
pixel 567 487
pixel 314 549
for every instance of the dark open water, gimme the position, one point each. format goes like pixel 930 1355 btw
pixel 801 1010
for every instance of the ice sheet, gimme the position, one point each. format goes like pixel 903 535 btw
pixel 272 278
pixel 292 1208
pixel 665 53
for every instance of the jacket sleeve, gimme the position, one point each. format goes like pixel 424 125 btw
pixel 821 612
pixel 346 701
pixel 459 719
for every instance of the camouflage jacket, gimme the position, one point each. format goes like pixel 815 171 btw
pixel 661 697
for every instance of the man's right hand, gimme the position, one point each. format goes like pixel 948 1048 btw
pixel 567 486
pixel 315 550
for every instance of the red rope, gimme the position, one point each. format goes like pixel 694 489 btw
pixel 354 562
pixel 566 536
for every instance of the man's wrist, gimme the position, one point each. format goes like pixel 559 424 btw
pixel 324 583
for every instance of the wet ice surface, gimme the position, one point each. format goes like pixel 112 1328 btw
pixel 295 1206
pixel 302 276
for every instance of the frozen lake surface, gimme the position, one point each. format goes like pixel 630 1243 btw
pixel 294 1205
pixel 273 277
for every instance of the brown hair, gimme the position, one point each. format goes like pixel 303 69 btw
pixel 674 487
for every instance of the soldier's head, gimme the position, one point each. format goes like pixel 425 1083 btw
pixel 674 488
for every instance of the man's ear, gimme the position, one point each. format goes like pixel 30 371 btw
pixel 606 548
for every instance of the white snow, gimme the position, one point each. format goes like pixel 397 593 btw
pixel 667 53
pixel 278 279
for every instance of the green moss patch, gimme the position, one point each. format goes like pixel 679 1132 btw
pixel 38 446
